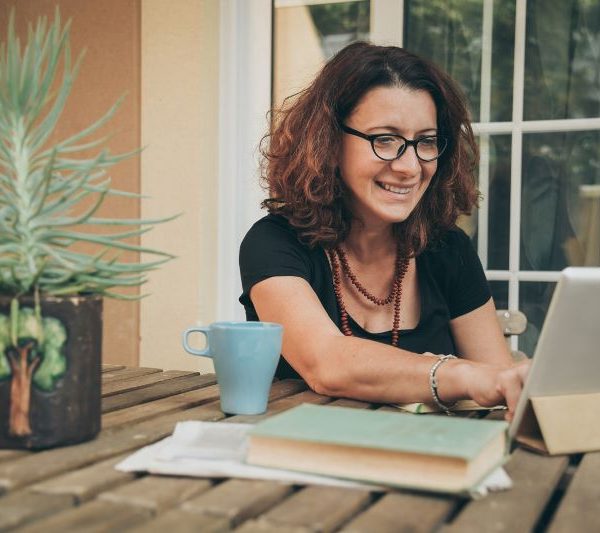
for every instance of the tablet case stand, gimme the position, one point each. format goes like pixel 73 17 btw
pixel 561 424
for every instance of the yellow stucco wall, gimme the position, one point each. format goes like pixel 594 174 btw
pixel 179 124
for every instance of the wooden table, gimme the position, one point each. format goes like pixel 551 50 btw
pixel 77 489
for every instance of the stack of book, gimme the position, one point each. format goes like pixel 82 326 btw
pixel 435 453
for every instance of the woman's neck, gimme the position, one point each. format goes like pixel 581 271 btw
pixel 370 245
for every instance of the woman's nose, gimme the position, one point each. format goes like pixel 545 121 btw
pixel 408 162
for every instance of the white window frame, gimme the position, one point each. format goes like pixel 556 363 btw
pixel 244 100
pixel 517 127
pixel 246 29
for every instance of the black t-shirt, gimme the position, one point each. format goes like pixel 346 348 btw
pixel 450 276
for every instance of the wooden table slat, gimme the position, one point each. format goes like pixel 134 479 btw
pixel 259 526
pixel 238 500
pixel 278 406
pixel 22 507
pixel 318 508
pixel 180 521
pixel 157 493
pixel 186 400
pixel 114 387
pixel 92 517
pixel 156 391
pixel 111 368
pixel 49 463
pixel 156 408
pixel 579 509
pixel 418 513
pixel 10 455
pixel 128 373
pixel 518 509
pixel 85 483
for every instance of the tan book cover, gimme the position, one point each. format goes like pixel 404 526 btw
pixel 461 405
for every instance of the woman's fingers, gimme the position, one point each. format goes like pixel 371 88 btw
pixel 490 385
pixel 510 385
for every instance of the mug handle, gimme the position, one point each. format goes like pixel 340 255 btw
pixel 188 348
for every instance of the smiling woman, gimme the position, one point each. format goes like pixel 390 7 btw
pixel 381 296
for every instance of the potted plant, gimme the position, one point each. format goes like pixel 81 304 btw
pixel 51 290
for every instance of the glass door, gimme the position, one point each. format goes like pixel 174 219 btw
pixel 531 73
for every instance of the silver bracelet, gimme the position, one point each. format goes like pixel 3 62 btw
pixel 433 384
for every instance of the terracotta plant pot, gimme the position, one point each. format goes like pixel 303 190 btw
pixel 50 392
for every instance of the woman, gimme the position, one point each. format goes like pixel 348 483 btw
pixel 360 258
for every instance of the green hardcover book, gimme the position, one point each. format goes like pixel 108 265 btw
pixel 437 453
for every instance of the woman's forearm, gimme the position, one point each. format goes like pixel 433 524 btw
pixel 351 367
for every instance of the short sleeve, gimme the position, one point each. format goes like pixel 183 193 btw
pixel 271 248
pixel 468 288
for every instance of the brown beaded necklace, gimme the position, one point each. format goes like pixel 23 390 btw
pixel 395 294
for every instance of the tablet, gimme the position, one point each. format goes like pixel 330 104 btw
pixel 567 355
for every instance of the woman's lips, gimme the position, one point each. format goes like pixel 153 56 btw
pixel 394 188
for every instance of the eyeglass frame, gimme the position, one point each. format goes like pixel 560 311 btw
pixel 402 151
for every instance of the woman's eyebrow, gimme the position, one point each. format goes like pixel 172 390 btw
pixel 398 131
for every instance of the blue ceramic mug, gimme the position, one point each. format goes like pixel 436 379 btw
pixel 245 356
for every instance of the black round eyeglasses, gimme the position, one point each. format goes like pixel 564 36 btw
pixel 390 146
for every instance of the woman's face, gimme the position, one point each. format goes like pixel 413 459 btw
pixel 385 192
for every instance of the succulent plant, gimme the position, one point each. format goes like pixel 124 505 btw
pixel 50 191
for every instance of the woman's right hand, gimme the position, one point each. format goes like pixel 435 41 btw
pixel 490 385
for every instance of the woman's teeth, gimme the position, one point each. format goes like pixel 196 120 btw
pixel 397 190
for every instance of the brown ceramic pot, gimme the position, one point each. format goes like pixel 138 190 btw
pixel 50 392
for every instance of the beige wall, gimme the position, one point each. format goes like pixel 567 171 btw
pixel 174 44
pixel 179 95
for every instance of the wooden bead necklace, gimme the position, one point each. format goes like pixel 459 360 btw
pixel 337 256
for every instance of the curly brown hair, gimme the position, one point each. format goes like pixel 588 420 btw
pixel 299 165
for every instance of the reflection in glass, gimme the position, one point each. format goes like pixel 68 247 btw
pixel 560 200
pixel 499 202
pixel 534 299
pixel 340 24
pixel 562 59
pixel 499 293
pixel 305 36
pixel 450 33
pixel 503 43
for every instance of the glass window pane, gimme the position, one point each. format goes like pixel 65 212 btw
pixel 562 59
pixel 305 36
pixel 450 33
pixel 499 201
pixel 339 24
pixel 503 46
pixel 534 299
pixel 560 200
pixel 499 293
pixel 497 153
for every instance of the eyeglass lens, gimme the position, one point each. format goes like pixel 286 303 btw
pixel 390 147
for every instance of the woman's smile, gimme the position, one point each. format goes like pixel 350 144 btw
pixel 401 190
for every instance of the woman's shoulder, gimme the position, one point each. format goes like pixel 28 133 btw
pixel 450 252
pixel 450 241
pixel 272 248
pixel 271 226
pixel 272 232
